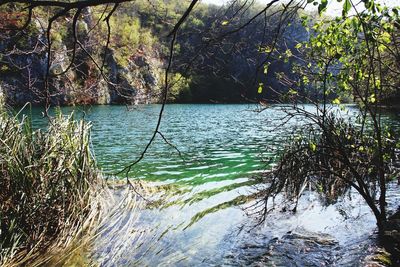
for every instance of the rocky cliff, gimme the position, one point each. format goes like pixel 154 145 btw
pixel 23 68
pixel 226 70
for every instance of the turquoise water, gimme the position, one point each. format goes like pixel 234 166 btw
pixel 217 142
pixel 195 215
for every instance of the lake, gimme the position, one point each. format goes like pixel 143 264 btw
pixel 198 214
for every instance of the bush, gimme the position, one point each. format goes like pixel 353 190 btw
pixel 330 157
pixel 46 181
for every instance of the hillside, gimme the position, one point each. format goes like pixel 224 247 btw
pixel 212 62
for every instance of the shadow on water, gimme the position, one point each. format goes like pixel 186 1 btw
pixel 196 214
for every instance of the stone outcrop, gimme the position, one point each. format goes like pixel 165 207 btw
pixel 23 71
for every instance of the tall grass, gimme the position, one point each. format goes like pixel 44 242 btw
pixel 48 183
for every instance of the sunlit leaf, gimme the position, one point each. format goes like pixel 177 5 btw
pixel 266 66
pixel 313 146
pixel 306 80
pixel 385 37
pixel 372 98
pixel 346 8
pixel 260 88
pixel 267 49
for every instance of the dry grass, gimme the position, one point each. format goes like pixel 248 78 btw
pixel 115 214
pixel 51 190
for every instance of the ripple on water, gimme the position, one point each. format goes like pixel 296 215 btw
pixel 197 217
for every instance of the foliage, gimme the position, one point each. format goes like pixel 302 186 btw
pixel 205 50
pixel 125 38
pixel 180 88
pixel 356 55
pixel 47 180
pixel 349 56
pixel 331 157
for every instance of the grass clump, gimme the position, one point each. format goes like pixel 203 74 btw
pixel 48 181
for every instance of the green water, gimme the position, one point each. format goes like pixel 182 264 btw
pixel 198 217
pixel 217 142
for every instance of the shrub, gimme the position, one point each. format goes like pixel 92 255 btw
pixel 331 157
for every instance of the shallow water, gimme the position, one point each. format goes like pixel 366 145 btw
pixel 198 217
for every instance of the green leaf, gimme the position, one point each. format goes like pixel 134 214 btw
pixel 322 6
pixel 385 37
pixel 372 99
pixel 306 81
pixel 266 66
pixel 381 48
pixel 367 4
pixel 260 88
pixel 288 53
pixel 346 8
pixel 336 101
pixel 378 83
pixel 267 49
pixel 313 146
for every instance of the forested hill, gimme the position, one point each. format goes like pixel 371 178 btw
pixel 214 61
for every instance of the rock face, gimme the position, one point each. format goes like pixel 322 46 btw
pixel 137 83
pixel 23 72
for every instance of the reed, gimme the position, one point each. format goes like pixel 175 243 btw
pixel 49 184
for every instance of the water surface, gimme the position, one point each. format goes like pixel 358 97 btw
pixel 198 216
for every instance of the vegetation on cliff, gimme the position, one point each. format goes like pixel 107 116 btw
pixel 214 62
